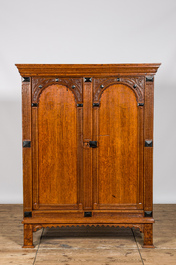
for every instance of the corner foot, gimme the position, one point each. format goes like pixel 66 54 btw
pixel 148 236
pixel 28 236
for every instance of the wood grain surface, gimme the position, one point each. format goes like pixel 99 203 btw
pixel 118 147
pixel 57 132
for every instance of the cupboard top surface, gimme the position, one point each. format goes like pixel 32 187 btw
pixel 93 70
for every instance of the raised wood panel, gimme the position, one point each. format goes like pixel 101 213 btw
pixel 118 147
pixel 57 136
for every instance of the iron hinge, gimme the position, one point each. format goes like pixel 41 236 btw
pixel 26 143
pixel 148 214
pixel 27 214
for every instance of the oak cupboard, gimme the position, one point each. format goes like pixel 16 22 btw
pixel 87 146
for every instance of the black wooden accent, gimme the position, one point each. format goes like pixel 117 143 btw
pixel 26 143
pixel 102 86
pixel 148 214
pixel 87 214
pixel 149 78
pixel 135 86
pixel 96 104
pixel 140 104
pixel 148 143
pixel 87 79
pixel 73 86
pixel 27 214
pixel 34 104
pixel 93 144
pixel 26 79
pixel 118 79
pixel 80 105
pixel 40 86
pixel 57 79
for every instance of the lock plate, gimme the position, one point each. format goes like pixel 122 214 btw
pixel 93 144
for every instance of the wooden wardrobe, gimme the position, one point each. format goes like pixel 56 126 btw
pixel 87 146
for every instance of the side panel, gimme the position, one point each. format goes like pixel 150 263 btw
pixel 117 179
pixel 57 138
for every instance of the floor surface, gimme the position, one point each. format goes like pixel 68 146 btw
pixel 87 245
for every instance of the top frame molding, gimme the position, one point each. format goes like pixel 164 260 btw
pixel 91 70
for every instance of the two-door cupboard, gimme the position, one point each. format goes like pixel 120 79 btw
pixel 88 146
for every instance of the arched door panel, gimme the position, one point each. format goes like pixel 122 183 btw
pixel 118 154
pixel 58 143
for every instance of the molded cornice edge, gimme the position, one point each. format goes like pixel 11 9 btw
pixel 92 70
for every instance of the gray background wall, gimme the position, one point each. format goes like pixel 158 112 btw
pixel 92 31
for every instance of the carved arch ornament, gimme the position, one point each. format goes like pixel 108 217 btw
pixel 39 84
pixel 135 83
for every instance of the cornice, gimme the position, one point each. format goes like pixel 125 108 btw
pixel 92 70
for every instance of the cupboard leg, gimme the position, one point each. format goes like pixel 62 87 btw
pixel 28 236
pixel 148 236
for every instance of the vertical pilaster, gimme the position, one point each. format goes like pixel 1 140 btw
pixel 27 154
pixel 148 144
pixel 87 136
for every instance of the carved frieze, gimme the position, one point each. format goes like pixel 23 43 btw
pixel 40 83
pixel 135 83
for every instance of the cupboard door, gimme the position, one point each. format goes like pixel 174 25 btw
pixel 118 160
pixel 57 123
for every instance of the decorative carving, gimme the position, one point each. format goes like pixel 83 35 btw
pixel 39 84
pixel 40 226
pixel 30 228
pixel 135 83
